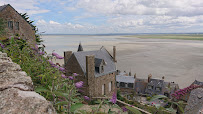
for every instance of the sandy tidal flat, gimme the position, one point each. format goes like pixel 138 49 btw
pixel 180 61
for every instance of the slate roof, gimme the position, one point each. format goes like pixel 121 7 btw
pixel 103 54
pixel 140 85
pixel 98 62
pixel 155 83
pixel 2 7
pixel 197 83
pixel 126 79
pixel 195 102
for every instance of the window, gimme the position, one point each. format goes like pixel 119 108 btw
pixel 130 85
pixel 117 84
pixel 150 87
pixel 97 69
pixel 102 69
pixel 103 89
pixel 17 25
pixel 158 89
pixel 122 84
pixel 10 24
pixel 110 86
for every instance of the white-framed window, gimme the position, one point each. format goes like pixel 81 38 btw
pixel 103 89
pixel 110 86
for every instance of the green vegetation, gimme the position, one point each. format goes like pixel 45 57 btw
pixel 2 29
pixel 48 81
pixel 171 36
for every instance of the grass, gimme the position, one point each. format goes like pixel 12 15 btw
pixel 171 36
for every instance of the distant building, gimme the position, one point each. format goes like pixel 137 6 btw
pixel 125 83
pixel 97 70
pixel 16 24
pixel 145 86
pixel 160 87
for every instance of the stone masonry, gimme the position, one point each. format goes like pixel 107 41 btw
pixel 26 31
pixel 16 91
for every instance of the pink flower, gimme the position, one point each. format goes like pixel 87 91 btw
pixel 86 98
pixel 41 52
pixel 70 78
pixel 51 63
pixel 59 57
pixel 61 69
pixel 54 54
pixel 75 74
pixel 124 109
pixel 114 98
pixel 79 84
pixel 63 76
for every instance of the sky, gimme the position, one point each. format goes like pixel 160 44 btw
pixel 112 16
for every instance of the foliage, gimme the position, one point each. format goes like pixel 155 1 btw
pixel 170 103
pixel 2 27
pixel 37 36
pixel 47 79
pixel 182 92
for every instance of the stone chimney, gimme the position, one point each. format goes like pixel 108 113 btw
pixel 67 55
pixel 90 74
pixel 163 78
pixel 114 54
pixel 149 77
pixel 135 75
pixel 130 74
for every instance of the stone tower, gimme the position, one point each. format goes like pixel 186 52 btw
pixel 90 70
pixel 80 48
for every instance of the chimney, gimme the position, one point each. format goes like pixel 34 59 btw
pixel 149 77
pixel 130 74
pixel 114 54
pixel 67 55
pixel 135 75
pixel 90 70
pixel 163 78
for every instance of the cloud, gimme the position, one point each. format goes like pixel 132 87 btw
pixel 56 27
pixel 143 7
pixel 22 6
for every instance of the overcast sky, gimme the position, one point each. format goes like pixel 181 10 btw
pixel 113 16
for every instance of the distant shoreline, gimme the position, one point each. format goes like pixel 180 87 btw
pixel 126 34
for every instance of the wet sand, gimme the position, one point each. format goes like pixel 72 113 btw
pixel 180 61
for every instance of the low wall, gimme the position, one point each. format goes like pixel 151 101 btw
pixel 17 93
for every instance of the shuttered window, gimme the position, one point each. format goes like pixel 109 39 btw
pixel 10 24
pixel 17 25
pixel 103 89
pixel 110 86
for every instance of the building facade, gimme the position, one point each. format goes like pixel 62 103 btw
pixel 96 69
pixel 16 24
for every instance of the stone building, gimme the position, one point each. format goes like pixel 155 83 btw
pixel 96 69
pixel 150 86
pixel 16 24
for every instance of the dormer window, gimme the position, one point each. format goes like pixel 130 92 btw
pixel 158 89
pixel 150 87
pixel 102 69
pixel 99 65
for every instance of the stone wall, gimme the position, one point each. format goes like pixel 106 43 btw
pixel 25 29
pixel 99 81
pixel 16 91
